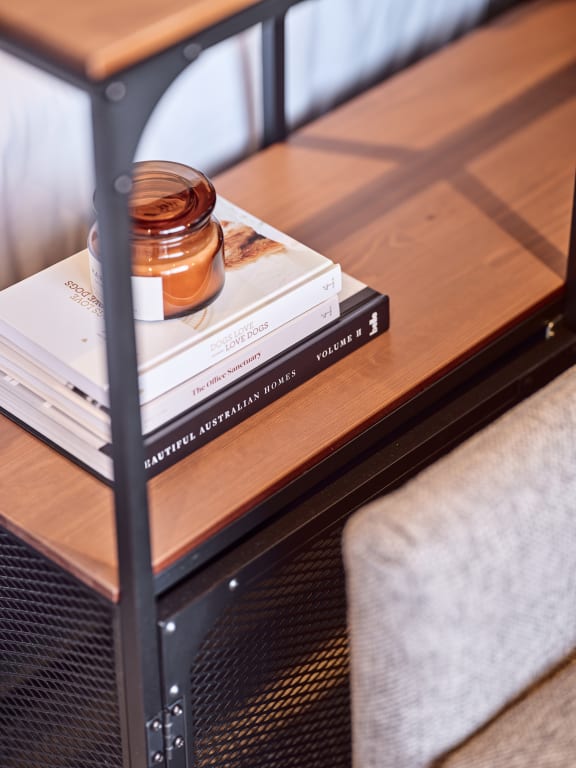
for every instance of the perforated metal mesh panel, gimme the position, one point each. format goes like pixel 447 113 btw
pixel 269 686
pixel 58 696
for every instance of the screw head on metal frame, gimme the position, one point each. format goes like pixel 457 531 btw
pixel 192 51
pixel 174 690
pixel 233 584
pixel 123 184
pixel 158 758
pixel 170 627
pixel 156 725
pixel 176 710
pixel 115 91
pixel 179 742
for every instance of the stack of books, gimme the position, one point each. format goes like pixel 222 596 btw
pixel 286 313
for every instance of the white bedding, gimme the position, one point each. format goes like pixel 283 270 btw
pixel 209 117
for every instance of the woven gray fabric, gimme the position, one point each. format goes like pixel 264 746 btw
pixel 462 584
pixel 538 732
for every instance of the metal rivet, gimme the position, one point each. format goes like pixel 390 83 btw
pixel 177 710
pixel 233 584
pixel 123 184
pixel 192 51
pixel 174 690
pixel 115 91
pixel 158 757
pixel 170 627
pixel 179 742
pixel 156 725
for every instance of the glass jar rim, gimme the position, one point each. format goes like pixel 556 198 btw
pixel 169 200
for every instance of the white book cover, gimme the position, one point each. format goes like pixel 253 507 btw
pixel 54 317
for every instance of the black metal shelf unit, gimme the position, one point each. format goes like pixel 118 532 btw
pixel 183 671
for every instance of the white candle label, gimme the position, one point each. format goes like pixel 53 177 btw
pixel 147 298
pixel 146 292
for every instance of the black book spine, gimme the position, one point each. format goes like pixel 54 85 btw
pixel 366 317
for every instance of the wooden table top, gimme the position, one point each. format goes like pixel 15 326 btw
pixel 448 187
pixel 100 38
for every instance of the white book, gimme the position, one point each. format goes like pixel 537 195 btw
pixel 57 392
pixel 54 426
pixel 363 315
pixel 54 317
pixel 155 413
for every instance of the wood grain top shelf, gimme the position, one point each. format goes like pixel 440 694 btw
pixel 448 187
pixel 99 39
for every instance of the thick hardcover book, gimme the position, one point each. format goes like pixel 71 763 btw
pixel 364 316
pixel 54 317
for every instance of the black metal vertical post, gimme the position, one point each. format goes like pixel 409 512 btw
pixel 570 294
pixel 274 79
pixel 120 110
pixel 138 646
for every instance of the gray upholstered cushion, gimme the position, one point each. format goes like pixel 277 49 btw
pixel 537 732
pixel 462 584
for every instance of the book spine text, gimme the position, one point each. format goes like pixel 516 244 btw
pixel 240 334
pixel 200 425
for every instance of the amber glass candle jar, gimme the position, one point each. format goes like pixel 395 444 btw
pixel 177 242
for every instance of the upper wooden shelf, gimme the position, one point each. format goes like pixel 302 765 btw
pixel 448 187
pixel 97 39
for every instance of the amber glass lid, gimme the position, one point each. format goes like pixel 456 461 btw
pixel 169 199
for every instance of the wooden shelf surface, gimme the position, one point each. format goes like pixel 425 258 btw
pixel 448 187
pixel 98 39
